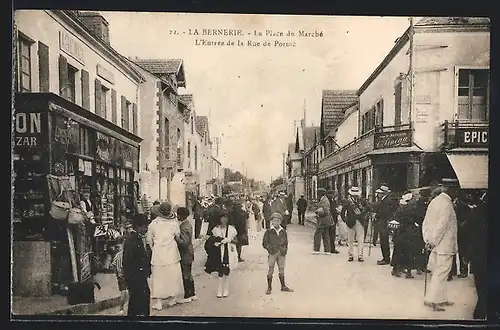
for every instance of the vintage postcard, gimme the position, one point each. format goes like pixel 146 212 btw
pixel 278 166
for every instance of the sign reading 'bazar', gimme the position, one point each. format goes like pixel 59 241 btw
pixel 472 137
pixel 393 139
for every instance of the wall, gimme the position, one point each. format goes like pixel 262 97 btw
pixel 347 129
pixel 44 26
pixel 435 91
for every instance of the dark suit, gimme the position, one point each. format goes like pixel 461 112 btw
pixel 198 217
pixel 478 257
pixel 267 211
pixel 136 270
pixel 185 244
pixel 385 209
pixel 332 230
pixel 279 206
pixel 301 209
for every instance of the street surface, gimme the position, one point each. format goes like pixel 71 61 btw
pixel 325 286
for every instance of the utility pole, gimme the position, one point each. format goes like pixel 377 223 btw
pixel 412 73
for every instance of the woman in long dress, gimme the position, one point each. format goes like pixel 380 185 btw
pixel 228 253
pixel 166 276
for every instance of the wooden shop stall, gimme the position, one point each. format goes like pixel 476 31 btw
pixel 64 153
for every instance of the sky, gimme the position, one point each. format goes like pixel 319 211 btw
pixel 253 95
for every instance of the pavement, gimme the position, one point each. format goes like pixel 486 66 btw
pixel 107 297
pixel 325 286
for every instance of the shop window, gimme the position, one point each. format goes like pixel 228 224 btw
pixel 167 139
pixel 72 72
pixel 24 63
pixel 473 94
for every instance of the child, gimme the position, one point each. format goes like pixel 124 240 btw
pixel 275 241
pixel 137 267
pixel 117 266
pixel 185 244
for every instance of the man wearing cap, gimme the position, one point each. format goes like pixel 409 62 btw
pixel 324 219
pixel 332 230
pixel 440 231
pixel 279 206
pixel 353 213
pixel 385 208
pixel 301 209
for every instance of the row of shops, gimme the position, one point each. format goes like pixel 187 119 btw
pixel 65 153
pixel 389 157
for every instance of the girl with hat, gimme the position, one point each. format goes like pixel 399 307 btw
pixel 166 280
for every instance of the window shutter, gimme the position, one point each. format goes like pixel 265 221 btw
pixel 98 91
pixel 43 69
pixel 124 113
pixel 134 119
pixel 381 116
pixel 85 90
pixel 63 76
pixel 114 115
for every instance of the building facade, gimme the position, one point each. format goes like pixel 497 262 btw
pixel 314 151
pixel 162 126
pixel 405 146
pixel 76 131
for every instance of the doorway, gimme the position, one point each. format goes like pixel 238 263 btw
pixel 394 176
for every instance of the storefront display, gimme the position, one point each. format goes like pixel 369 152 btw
pixel 79 158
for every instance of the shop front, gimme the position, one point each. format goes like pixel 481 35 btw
pixel 466 148
pixel 66 154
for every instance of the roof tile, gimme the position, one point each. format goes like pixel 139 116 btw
pixel 160 66
pixel 334 103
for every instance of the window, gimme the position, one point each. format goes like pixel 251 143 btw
pixel 368 121
pixel 179 153
pixel 85 140
pixel 189 154
pixel 104 102
pixel 192 125
pixel 167 139
pixel 379 113
pixel 195 158
pixel 398 91
pixel 72 72
pixel 473 94
pixel 24 65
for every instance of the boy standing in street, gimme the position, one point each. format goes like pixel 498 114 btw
pixel 275 241
pixel 137 267
pixel 186 250
pixel 117 266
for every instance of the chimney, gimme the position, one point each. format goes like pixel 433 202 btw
pixel 97 24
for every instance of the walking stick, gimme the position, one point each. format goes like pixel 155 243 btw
pixel 426 254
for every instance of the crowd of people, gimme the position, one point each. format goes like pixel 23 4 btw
pixel 430 228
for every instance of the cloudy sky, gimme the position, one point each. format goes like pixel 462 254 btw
pixel 254 94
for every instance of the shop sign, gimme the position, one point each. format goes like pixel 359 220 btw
pixel 125 155
pixel 72 47
pixel 474 137
pixel 105 74
pixel 394 139
pixel 28 128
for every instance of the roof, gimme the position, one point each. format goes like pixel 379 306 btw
pixel 291 148
pixel 309 137
pixel 334 103
pixel 426 21
pixel 160 66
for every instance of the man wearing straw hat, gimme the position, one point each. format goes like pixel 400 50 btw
pixel 440 231
pixel 353 212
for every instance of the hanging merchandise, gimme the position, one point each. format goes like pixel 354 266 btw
pixel 101 230
pixel 81 165
pixel 87 168
pixel 76 216
pixel 60 195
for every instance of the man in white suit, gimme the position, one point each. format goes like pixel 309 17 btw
pixel 440 232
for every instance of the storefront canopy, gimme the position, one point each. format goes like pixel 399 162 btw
pixel 471 169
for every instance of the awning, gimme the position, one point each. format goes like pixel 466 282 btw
pixel 471 170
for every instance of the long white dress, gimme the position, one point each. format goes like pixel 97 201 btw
pixel 166 275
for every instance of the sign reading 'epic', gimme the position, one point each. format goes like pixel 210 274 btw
pixel 472 137
pixel 27 127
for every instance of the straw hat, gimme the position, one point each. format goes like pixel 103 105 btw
pixel 354 191
pixel 383 190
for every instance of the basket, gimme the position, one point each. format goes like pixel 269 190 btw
pixel 76 216
pixel 59 210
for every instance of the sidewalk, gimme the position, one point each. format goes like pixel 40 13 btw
pixel 107 297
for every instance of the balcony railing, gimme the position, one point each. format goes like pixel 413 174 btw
pixel 463 135
pixel 377 138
